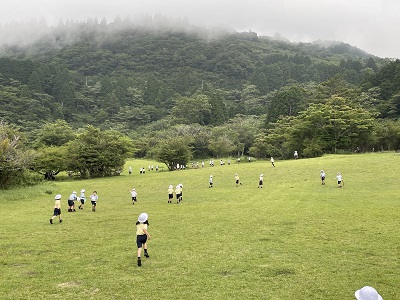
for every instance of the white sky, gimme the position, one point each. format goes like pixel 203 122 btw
pixel 371 25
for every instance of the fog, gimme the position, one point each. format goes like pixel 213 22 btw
pixel 371 25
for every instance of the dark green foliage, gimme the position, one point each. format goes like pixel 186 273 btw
pixel 96 153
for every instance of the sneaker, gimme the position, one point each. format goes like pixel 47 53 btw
pixel 51 221
pixel 60 221
pixel 139 262
pixel 146 255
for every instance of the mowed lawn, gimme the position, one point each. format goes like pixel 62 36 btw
pixel 292 239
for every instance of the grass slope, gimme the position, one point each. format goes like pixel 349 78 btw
pixel 293 239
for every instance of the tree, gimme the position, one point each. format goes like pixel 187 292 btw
pixel 54 134
pixel 96 153
pixel 221 146
pixel 50 161
pixel 191 110
pixel 14 160
pixel 174 151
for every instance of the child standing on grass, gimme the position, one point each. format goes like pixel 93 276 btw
pixel 273 161
pixel 142 236
pixel 170 193
pixel 261 181
pixel 322 175
pixel 93 199
pixel 134 196
pixel 57 208
pixel 211 181
pixel 339 179
pixel 82 198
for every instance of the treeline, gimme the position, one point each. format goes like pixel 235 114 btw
pixel 226 95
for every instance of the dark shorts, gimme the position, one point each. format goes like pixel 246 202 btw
pixel 70 202
pixel 170 196
pixel 260 182
pixel 211 183
pixel 237 181
pixel 82 200
pixel 339 182
pixel 94 203
pixel 134 199
pixel 178 196
pixel 140 240
pixel 57 211
pixel 323 178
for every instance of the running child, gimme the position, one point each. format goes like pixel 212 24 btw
pixel 339 179
pixel 261 181
pixel 178 193
pixel 237 180
pixel 71 202
pixel 57 208
pixel 82 199
pixel 170 193
pixel 134 196
pixel 93 199
pixel 142 235
pixel 322 175
pixel 273 161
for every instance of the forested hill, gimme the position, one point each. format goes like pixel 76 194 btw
pixel 122 76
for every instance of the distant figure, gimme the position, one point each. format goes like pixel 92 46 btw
pixel 229 162
pixel 156 168
pixel 141 170
pixel 144 170
pixel 339 179
pixel 322 175
pixel 211 181
pixel 170 193
pixel 134 196
pixel 93 199
pixel 273 161
pixel 237 180
pixel 130 170
pixel 261 181
pixel 238 160
pixel 57 208
pixel 202 164
pixel 295 155
pixel 367 293
pixel 249 159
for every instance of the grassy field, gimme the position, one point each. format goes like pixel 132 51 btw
pixel 293 239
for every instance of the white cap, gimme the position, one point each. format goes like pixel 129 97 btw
pixel 82 191
pixel 143 217
pixel 367 293
pixel 170 186
pixel 261 175
pixel 181 185
pixel 210 175
pixel 74 192
pixel 57 197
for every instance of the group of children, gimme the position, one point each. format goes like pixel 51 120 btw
pixel 339 178
pixel 71 203
pixel 178 193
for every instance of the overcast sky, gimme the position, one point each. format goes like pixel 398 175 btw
pixel 371 25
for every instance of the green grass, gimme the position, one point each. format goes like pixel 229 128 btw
pixel 293 239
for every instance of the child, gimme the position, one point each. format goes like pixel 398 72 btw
pixel 261 181
pixel 142 236
pixel 71 202
pixel 82 198
pixel 237 180
pixel 181 194
pixel 94 199
pixel 339 179
pixel 170 193
pixel 130 170
pixel 134 195
pixel 178 193
pixel 273 161
pixel 211 181
pixel 322 175
pixel 57 208
pixel 295 155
